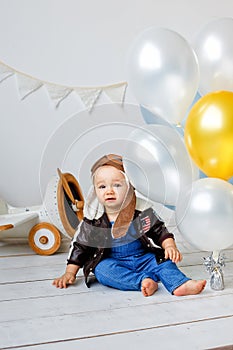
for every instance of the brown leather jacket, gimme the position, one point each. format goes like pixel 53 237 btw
pixel 92 240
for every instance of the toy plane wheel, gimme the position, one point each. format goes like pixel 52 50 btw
pixel 44 238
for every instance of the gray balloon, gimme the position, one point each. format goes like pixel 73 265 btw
pixel 204 214
pixel 214 50
pixel 157 163
pixel 163 72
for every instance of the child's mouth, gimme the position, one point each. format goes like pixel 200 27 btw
pixel 110 199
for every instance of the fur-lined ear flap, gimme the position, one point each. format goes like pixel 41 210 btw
pixel 125 217
pixel 92 207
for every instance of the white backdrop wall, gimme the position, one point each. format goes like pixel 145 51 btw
pixel 75 43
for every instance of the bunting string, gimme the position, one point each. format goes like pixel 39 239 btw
pixel 27 85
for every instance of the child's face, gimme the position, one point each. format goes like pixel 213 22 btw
pixel 111 187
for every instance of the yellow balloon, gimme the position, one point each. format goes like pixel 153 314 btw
pixel 209 134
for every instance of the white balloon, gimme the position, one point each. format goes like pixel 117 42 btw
pixel 204 214
pixel 157 163
pixel 163 72
pixel 214 49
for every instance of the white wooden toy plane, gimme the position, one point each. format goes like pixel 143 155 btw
pixel 60 213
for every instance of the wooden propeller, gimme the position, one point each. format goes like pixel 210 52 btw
pixel 77 203
pixel 66 186
pixel 6 227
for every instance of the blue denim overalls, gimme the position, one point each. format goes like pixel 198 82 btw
pixel 128 264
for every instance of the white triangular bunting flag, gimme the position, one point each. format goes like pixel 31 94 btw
pixel 116 92
pixel 57 93
pixel 27 85
pixel 89 96
pixel 5 72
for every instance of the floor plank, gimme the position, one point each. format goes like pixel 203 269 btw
pixel 34 314
pixel 192 336
pixel 37 283
pixel 70 320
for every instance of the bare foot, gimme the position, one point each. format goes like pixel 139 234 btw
pixel 190 287
pixel 148 287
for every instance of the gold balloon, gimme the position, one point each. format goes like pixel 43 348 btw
pixel 209 134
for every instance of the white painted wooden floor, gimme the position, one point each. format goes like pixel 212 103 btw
pixel 36 315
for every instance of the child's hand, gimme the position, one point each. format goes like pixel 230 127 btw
pixel 173 253
pixel 64 280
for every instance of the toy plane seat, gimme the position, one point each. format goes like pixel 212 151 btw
pixel 3 211
pixel 64 203
pixel 3 207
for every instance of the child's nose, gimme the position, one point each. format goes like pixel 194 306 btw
pixel 110 189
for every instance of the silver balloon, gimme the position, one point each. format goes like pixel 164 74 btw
pixel 163 73
pixel 214 49
pixel 157 163
pixel 204 214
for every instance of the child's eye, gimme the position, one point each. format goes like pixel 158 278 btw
pixel 101 186
pixel 117 185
